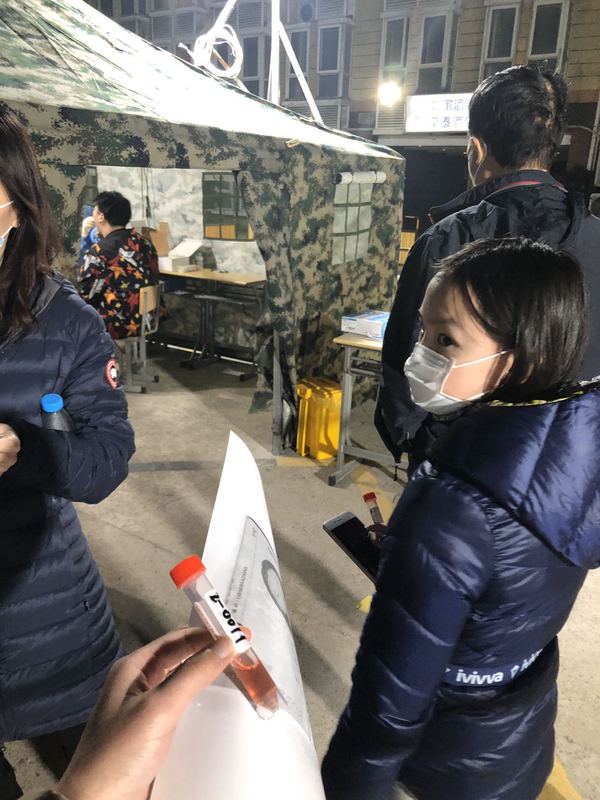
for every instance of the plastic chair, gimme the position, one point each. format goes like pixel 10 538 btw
pixel 135 354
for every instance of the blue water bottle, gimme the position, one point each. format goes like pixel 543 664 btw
pixel 54 415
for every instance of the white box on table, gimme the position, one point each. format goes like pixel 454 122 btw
pixel 366 323
pixel 175 264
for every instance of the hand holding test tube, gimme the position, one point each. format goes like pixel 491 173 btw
pixel 246 670
pixel 378 529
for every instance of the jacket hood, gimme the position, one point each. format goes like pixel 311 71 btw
pixel 110 245
pixel 539 461
pixel 532 202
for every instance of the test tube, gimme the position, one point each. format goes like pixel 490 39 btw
pixel 246 670
pixel 370 499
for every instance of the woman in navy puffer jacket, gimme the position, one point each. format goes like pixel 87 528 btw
pixel 454 688
pixel 57 634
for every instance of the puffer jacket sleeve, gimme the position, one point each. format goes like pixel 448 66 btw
pixel 396 416
pixel 89 463
pixel 438 563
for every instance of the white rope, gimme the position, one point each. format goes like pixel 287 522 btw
pixel 220 33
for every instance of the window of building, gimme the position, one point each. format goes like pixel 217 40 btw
pixel 255 67
pixel 106 7
pixel 250 66
pixel 329 61
pixel 548 34
pixel 393 61
pixel 361 120
pixel 224 213
pixel 499 40
pixel 299 41
pixel 162 5
pixel 434 54
pixel 352 221
pixel 142 7
pixel 335 44
pixel 127 8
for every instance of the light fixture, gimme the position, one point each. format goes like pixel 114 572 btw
pixel 389 93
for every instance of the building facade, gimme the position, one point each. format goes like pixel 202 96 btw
pixel 431 53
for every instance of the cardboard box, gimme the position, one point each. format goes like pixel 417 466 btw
pixel 366 323
pixel 159 238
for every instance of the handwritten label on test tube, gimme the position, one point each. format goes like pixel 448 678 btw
pixel 246 670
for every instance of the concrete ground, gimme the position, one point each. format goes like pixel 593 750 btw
pixel 161 514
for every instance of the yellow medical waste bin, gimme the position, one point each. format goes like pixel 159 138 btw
pixel 319 412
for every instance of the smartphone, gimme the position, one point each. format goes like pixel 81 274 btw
pixel 352 536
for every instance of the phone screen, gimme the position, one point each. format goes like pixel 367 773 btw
pixel 352 536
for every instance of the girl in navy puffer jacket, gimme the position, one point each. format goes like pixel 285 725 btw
pixel 454 688
pixel 57 634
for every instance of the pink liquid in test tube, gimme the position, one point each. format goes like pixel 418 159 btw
pixel 246 670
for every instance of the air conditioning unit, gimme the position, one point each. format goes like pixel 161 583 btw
pixel 594 204
pixel 250 15
pixel 162 27
pixel 334 9
pixel 302 109
pixel 334 115
pixel 399 5
pixel 390 120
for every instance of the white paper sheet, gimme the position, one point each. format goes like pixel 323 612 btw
pixel 222 750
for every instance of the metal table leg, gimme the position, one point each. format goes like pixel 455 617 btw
pixel 277 441
pixel 341 469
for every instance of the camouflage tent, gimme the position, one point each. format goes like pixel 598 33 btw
pixel 92 93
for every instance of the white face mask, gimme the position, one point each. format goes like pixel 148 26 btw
pixel 427 372
pixel 5 234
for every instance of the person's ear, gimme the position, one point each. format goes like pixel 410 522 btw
pixel 479 150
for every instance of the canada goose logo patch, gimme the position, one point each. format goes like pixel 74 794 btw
pixel 112 373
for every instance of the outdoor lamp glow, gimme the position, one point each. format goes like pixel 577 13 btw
pixel 389 93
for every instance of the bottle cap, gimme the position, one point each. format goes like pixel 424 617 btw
pixel 369 496
pixel 51 403
pixel 187 569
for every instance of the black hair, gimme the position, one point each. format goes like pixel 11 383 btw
pixel 530 299
pixel 521 115
pixel 32 246
pixel 115 207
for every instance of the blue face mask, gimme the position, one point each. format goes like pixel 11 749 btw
pixel 5 234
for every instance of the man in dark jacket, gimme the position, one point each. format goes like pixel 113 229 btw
pixel 517 120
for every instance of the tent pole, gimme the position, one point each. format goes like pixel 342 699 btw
pixel 274 93
pixel 300 75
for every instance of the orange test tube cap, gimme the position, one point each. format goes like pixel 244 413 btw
pixel 187 569
pixel 369 496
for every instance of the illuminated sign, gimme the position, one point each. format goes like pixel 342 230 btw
pixel 437 113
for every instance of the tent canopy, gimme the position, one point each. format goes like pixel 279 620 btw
pixel 65 53
pixel 93 93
